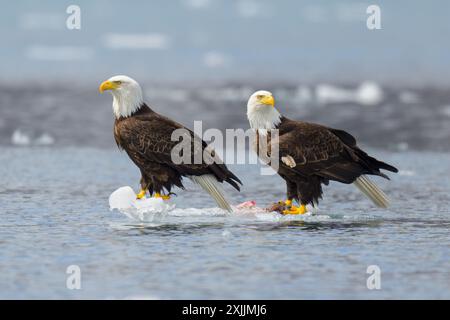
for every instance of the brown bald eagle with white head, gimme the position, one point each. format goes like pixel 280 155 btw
pixel 311 155
pixel 146 136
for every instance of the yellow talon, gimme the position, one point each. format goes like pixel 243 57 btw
pixel 287 202
pixel 295 210
pixel 164 197
pixel 141 194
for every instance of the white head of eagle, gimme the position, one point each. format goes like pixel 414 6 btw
pixel 261 112
pixel 127 95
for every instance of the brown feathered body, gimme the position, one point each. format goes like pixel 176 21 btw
pixel 146 138
pixel 321 154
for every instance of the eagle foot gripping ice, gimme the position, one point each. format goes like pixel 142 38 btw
pixel 286 207
pixel 143 192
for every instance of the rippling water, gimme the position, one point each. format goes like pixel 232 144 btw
pixel 55 213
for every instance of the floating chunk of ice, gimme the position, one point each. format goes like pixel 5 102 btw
pixel 20 138
pixel 368 94
pixel 44 140
pixel 326 94
pixel 25 138
pixel 146 209
pixel 122 198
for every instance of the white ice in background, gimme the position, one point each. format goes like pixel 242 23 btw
pixel 44 140
pixel 20 138
pixel 326 93
pixel 368 93
pixel 146 209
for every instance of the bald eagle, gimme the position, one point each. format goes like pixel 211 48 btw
pixel 146 137
pixel 311 155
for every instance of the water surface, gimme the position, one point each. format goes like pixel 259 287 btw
pixel 54 210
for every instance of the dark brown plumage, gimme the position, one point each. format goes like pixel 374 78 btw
pixel 321 154
pixel 146 138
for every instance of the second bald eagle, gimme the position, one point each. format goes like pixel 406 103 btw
pixel 311 155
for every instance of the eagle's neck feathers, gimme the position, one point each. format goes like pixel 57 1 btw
pixel 263 118
pixel 126 102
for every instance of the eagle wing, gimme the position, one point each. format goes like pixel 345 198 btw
pixel 310 149
pixel 149 137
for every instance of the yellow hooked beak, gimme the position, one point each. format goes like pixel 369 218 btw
pixel 107 85
pixel 268 100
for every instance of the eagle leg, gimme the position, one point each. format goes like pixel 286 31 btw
pixel 294 209
pixel 162 196
pixel 141 194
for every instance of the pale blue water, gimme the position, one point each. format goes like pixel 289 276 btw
pixel 54 213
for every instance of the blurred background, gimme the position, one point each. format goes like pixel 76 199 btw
pixel 201 59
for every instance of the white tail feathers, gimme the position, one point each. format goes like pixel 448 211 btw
pixel 210 184
pixel 371 190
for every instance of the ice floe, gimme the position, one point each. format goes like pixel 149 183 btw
pixel 44 140
pixel 22 138
pixel 155 209
pixel 146 209
pixel 368 93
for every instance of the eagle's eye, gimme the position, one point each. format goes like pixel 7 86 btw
pixel 259 96
pixel 118 82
